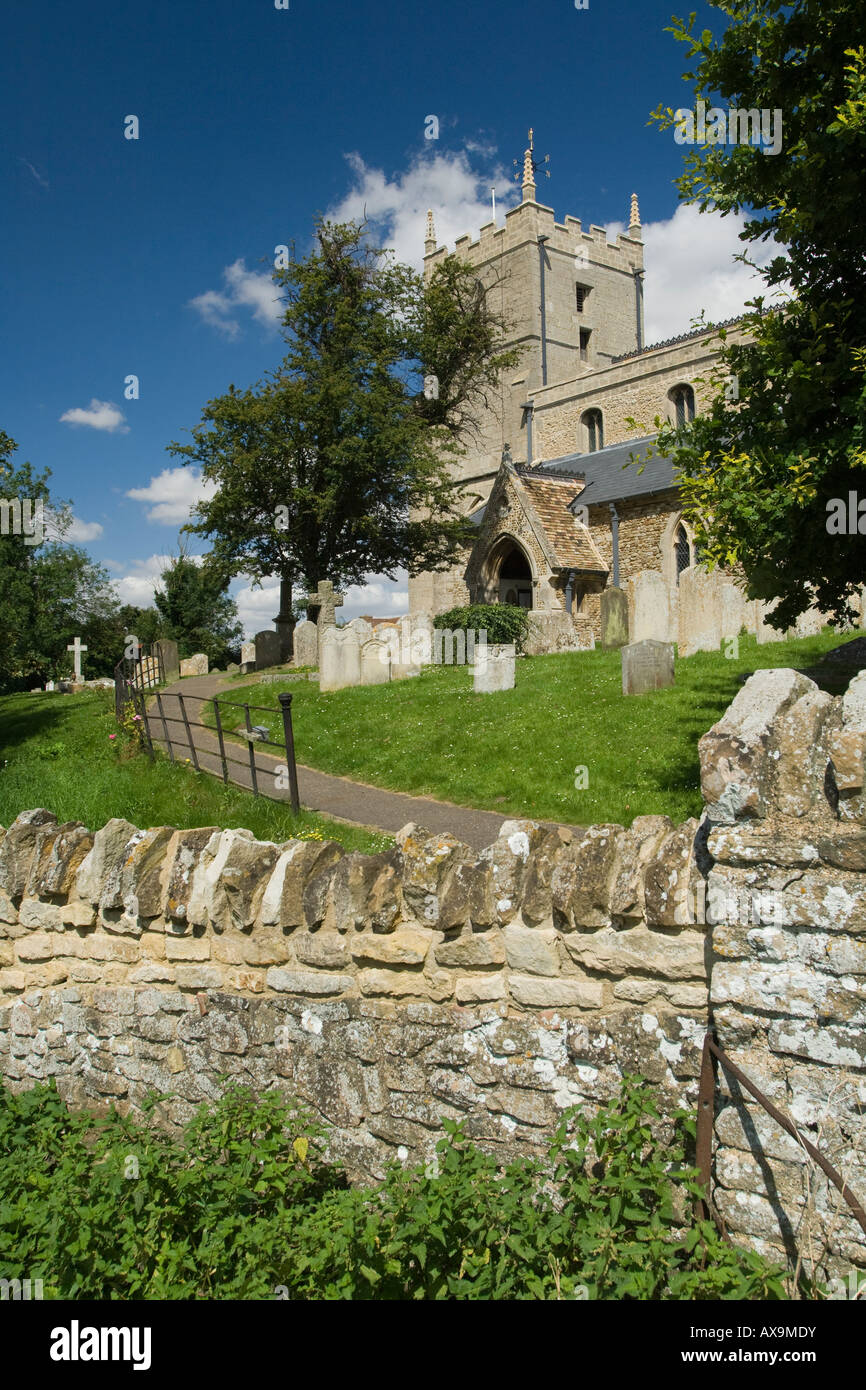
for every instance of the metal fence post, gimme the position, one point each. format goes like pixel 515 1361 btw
pixel 252 752
pixel 145 725
pixel 164 726
pixel 704 1136
pixel 188 733
pixel 219 729
pixel 285 700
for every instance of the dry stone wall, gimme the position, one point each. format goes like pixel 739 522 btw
pixel 431 981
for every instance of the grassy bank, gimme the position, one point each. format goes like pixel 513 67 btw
pixel 56 751
pixel 517 751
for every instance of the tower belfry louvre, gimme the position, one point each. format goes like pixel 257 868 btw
pixel 574 304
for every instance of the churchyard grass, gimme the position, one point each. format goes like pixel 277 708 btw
pixel 56 751
pixel 517 751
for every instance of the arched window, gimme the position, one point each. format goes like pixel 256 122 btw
pixel 593 430
pixel 683 400
pixel 682 551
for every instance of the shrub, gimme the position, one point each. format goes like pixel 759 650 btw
pixel 244 1206
pixel 503 622
pixel 606 1217
pixel 113 1208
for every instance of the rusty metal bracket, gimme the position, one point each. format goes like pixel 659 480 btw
pixel 704 1143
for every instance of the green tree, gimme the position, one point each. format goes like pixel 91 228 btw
pixel 105 634
pixel 196 611
pixel 336 466
pixel 50 591
pixel 784 434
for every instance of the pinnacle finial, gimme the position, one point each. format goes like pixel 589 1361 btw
pixel 430 237
pixel 528 171
pixel 634 220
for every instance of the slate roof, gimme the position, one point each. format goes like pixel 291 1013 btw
pixel 608 479
pixel 571 543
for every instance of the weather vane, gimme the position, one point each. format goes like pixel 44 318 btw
pixel 520 165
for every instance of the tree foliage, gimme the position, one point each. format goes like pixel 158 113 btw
pixel 783 435
pixel 336 465
pixel 196 611
pixel 50 591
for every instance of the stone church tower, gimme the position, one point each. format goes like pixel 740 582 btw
pixel 574 303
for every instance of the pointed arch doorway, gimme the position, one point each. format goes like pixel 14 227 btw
pixel 514 575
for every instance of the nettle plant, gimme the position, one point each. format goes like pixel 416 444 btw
pixel 245 1205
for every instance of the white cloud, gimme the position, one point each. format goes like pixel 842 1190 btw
pixel 40 178
pixel 689 256
pixel 447 182
pixel 245 289
pixel 173 494
pixel 74 531
pixel 99 415
pixel 378 596
pixel 81 531
pixel 690 267
pixel 141 579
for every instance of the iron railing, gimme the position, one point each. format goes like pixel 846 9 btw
pixel 255 736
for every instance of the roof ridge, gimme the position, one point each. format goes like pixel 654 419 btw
pixel 680 338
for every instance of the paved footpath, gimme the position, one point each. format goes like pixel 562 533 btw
pixel 358 803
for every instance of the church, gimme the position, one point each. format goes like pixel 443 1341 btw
pixel 563 488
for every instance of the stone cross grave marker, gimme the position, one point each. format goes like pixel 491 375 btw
pixel 77 648
pixel 647 666
pixel 322 605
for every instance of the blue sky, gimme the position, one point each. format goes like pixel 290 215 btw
pixel 150 256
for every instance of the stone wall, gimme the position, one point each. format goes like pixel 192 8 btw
pixel 783 782
pixel 391 990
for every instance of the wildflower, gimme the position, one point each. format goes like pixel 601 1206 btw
pixel 112 736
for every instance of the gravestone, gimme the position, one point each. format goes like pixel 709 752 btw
pixel 306 644
pixel 268 649
pixel 340 659
pixel 808 624
pixel 232 669
pixel 647 665
pixel 363 629
pixel 170 658
pixel 375 662
pixel 391 636
pixel 763 631
pixel 649 608
pixel 614 619
pixel 194 665
pixel 732 608
pixel 700 615
pixel 416 639
pixel 49 686
pixel 248 653
pixel 494 668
